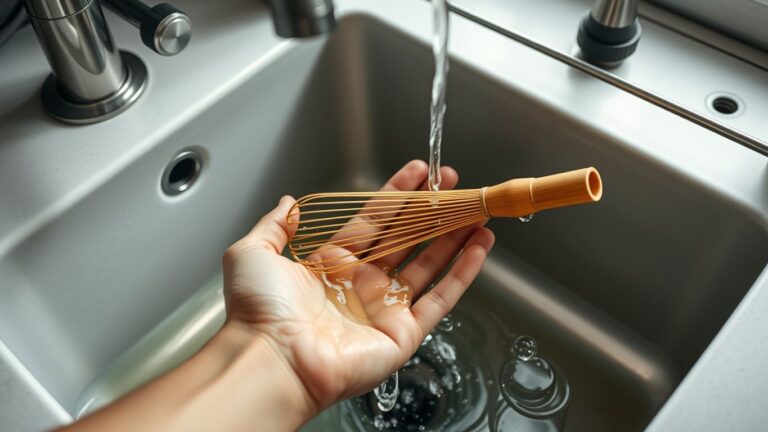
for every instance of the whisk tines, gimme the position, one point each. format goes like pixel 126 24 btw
pixel 336 231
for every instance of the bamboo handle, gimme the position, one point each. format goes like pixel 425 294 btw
pixel 521 197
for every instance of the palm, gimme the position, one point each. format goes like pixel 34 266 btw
pixel 343 338
pixel 341 348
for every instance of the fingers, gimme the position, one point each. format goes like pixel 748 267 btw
pixel 450 179
pixel 431 262
pixel 272 230
pixel 408 178
pixel 436 303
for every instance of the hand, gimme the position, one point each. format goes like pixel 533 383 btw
pixel 340 350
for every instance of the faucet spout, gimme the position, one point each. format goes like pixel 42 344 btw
pixel 302 18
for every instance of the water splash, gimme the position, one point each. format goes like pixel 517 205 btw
pixel 437 108
pixel 525 348
pixel 526 218
pixel 337 287
pixel 387 392
pixel 446 324
pixel 397 292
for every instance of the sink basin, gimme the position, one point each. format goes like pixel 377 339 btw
pixel 623 295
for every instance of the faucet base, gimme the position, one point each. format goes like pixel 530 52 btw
pixel 63 108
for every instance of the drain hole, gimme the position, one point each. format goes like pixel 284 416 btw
pixel 182 172
pixel 725 105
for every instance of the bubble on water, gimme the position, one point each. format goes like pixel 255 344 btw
pixel 446 351
pixel 447 382
pixel 378 422
pixel 456 375
pixel 407 396
pixel 525 347
pixel 435 388
pixel 446 324
pixel 387 392
pixel 526 218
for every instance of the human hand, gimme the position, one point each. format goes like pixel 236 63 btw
pixel 340 349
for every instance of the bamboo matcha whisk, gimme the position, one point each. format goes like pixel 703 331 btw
pixel 337 231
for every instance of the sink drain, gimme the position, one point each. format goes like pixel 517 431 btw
pixel 182 172
pixel 440 390
pixel 725 104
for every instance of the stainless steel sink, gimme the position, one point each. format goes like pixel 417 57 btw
pixel 624 295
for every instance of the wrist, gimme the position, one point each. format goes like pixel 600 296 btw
pixel 269 373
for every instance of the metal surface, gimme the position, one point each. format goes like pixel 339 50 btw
pixel 91 82
pixel 82 54
pixel 302 18
pixel 743 19
pixel 174 186
pixel 614 13
pixel 718 127
pixel 172 34
pixel 62 106
pixel 53 9
pixel 164 29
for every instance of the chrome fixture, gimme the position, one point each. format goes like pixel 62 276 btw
pixel 91 79
pixel 708 123
pixel 182 171
pixel 610 32
pixel 302 18
pixel 163 28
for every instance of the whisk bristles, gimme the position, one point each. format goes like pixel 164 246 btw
pixel 336 231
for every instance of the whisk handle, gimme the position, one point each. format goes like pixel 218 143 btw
pixel 521 197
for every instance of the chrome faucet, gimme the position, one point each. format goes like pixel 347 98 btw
pixel 302 18
pixel 91 79
pixel 610 32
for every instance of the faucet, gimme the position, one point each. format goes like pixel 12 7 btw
pixel 91 79
pixel 302 18
pixel 609 33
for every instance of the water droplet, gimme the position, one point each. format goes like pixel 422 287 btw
pixel 525 347
pixel 426 340
pixel 378 422
pixel 407 396
pixel 435 388
pixel 397 292
pixel 456 375
pixel 526 218
pixel 387 392
pixel 446 351
pixel 340 297
pixel 446 324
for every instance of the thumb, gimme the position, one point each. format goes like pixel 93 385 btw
pixel 272 230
